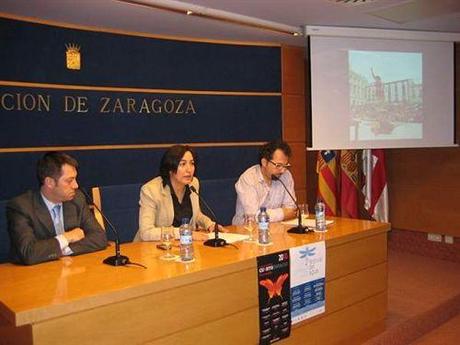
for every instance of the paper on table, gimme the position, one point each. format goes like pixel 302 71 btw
pixel 230 237
pixel 306 222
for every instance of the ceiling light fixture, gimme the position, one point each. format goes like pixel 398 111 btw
pixel 210 13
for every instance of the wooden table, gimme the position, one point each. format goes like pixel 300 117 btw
pixel 79 300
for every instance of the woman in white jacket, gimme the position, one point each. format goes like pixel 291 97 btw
pixel 167 199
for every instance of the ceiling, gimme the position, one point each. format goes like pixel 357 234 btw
pixel 426 15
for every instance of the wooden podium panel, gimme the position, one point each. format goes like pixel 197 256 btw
pixel 79 300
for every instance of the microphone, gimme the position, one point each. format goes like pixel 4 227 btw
pixel 216 241
pixel 299 229
pixel 118 259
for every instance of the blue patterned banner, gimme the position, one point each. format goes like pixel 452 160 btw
pixel 308 273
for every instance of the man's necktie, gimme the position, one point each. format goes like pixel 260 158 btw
pixel 58 226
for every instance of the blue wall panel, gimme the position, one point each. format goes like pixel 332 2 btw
pixel 184 118
pixel 111 167
pixel 34 55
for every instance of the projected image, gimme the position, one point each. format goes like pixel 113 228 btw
pixel 386 95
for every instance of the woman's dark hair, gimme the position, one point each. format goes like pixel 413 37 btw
pixel 171 159
pixel 267 150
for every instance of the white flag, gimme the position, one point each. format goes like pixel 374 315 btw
pixel 375 189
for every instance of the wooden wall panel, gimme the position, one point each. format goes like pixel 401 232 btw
pixel 174 309
pixel 347 295
pixel 240 328
pixel 293 113
pixel 299 169
pixel 424 184
pixel 355 256
pixel 424 189
pixel 294 118
pixel 345 291
pixel 312 178
pixel 351 319
pixel 293 69
pixel 301 194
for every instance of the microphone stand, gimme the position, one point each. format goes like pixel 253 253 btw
pixel 216 241
pixel 117 259
pixel 299 229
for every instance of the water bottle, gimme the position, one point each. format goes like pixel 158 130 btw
pixel 186 241
pixel 320 216
pixel 264 226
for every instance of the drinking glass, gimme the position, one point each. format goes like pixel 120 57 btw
pixel 250 226
pixel 167 238
pixel 304 213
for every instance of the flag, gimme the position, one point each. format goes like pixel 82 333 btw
pixel 349 183
pixel 375 189
pixel 327 173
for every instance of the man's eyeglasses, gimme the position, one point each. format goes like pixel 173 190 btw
pixel 280 165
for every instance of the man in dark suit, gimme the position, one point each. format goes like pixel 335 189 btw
pixel 56 220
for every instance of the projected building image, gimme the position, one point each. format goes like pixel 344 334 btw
pixel 386 95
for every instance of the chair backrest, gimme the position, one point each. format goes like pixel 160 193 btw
pixel 120 204
pixel 4 237
pixel 221 196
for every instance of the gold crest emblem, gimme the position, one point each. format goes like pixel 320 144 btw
pixel 73 57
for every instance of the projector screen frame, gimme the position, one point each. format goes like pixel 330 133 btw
pixel 399 35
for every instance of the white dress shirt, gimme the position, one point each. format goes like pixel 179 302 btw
pixel 253 192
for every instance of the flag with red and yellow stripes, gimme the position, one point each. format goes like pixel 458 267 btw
pixel 349 183
pixel 326 168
